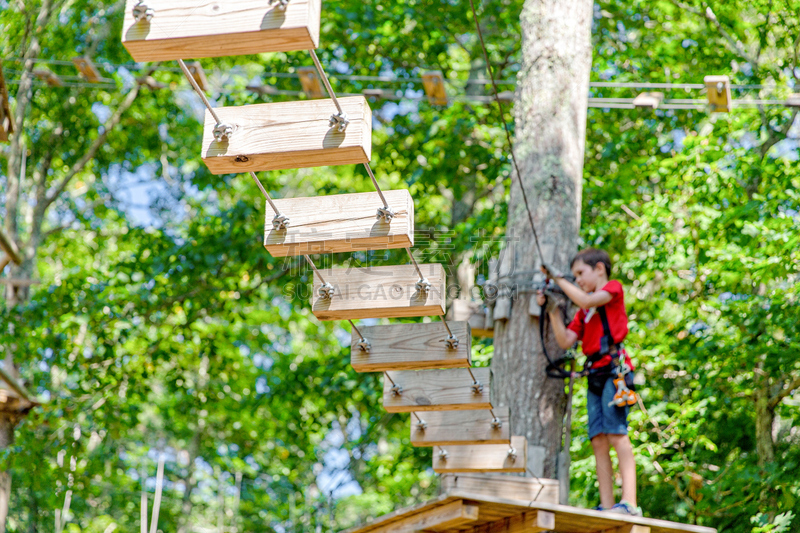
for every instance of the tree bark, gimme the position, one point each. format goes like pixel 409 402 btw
pixel 550 109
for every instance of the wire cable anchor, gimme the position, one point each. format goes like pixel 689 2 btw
pixel 421 424
pixel 280 222
pixel 364 345
pixel 142 12
pixel 451 341
pixel 222 132
pixel 281 3
pixel 512 454
pixel 477 387
pixel 339 121
pixel 423 285
pixel 497 423
pixel 442 454
pixel 326 291
pixel 386 213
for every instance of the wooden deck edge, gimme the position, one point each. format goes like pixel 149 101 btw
pixel 612 521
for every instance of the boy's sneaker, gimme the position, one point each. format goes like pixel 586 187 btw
pixel 626 508
pixel 599 508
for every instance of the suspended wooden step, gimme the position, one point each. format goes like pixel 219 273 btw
pixel 410 347
pixel 437 390
pixel 793 101
pixel 164 30
pixel 483 458
pixel 718 90
pixel 434 87
pixel 288 135
pixel 523 489
pixel 309 79
pixel 6 121
pixel 341 223
pixel 379 292
pixel 648 100
pixel 476 313
pixel 87 69
pixel 461 428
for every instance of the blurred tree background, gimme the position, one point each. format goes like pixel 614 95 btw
pixel 161 330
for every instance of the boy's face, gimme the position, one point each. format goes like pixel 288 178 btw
pixel 587 277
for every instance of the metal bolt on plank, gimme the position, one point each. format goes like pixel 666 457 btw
pixel 280 222
pixel 386 213
pixel 326 291
pixel 364 345
pixel 339 121
pixel 142 12
pixel 222 132
pixel 451 341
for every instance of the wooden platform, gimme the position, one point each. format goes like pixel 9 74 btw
pixel 437 390
pixel 496 514
pixel 448 428
pixel 288 135
pixel 411 347
pixel 186 29
pixel 341 223
pixel 379 292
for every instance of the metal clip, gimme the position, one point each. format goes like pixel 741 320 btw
pixel 443 454
pixel 422 425
pixel 281 3
pixel 142 12
pixel 364 345
pixel 451 341
pixel 326 291
pixel 477 388
pixel 397 390
pixel 222 132
pixel 497 423
pixel 386 213
pixel 512 454
pixel 423 285
pixel 340 121
pixel 280 222
pixel 720 87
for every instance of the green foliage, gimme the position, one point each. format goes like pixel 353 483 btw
pixel 166 329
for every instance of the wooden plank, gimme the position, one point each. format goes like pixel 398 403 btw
pixel 434 87
pixel 6 120
pixel 484 458
pixel 87 69
pixel 718 90
pixel 648 100
pixel 530 522
pixel 473 312
pixel 461 428
pixel 411 347
pixel 437 390
pixel 182 29
pixel 440 518
pixel 309 79
pixel 341 223
pixel 793 101
pixel 511 487
pixel 199 75
pixel 379 292
pixel 288 135
pixel 48 77
pixel 629 528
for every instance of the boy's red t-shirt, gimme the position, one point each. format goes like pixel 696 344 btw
pixel 591 331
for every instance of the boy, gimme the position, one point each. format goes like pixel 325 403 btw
pixel 608 425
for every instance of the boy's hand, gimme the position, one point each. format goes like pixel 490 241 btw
pixel 551 272
pixel 553 304
pixel 540 298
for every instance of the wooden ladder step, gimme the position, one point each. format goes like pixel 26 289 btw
pixel 182 29
pixel 288 135
pixel 437 390
pixel 411 347
pixel 482 458
pixel 379 292
pixel 341 223
pixel 461 428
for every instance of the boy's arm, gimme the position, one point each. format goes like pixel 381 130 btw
pixel 564 337
pixel 583 299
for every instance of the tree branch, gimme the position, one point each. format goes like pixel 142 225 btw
pixel 110 124
pixel 786 391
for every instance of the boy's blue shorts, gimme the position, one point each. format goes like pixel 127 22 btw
pixel 611 420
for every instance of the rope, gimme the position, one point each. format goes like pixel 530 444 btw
pixel 325 80
pixel 505 126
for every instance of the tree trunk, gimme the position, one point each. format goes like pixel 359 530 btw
pixel 551 99
pixel 765 418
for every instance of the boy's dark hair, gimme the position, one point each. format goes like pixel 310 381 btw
pixel 592 256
